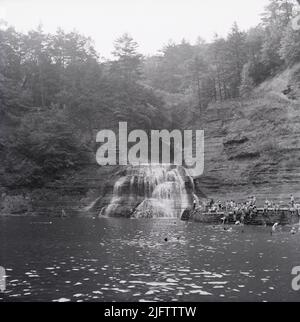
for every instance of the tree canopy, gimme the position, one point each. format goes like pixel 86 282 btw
pixel 56 93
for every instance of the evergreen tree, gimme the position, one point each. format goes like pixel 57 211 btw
pixel 290 46
pixel 128 64
pixel 236 58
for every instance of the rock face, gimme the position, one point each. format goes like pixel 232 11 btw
pixel 252 145
pixel 14 205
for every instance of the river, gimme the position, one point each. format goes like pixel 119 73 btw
pixel 107 259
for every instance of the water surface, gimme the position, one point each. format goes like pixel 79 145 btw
pixel 84 259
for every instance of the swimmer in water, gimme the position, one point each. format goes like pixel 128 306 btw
pixel 273 230
pixel 274 227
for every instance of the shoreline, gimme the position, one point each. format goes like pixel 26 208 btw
pixel 261 217
pixel 283 217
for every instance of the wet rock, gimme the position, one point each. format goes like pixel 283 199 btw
pixel 15 205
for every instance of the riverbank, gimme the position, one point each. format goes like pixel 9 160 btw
pixel 70 194
pixel 19 206
pixel 283 216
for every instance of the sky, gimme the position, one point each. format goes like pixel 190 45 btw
pixel 152 23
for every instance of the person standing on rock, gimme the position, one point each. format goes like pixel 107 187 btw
pixel 194 204
pixel 267 205
pixel 292 201
pixel 293 209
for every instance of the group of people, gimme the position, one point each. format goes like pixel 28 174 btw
pixel 245 208
pixel 269 204
pixel 230 206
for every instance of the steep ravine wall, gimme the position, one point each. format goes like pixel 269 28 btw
pixel 252 145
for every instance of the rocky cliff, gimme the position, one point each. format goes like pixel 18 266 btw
pixel 252 145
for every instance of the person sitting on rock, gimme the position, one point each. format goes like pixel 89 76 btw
pixel 253 200
pixel 219 205
pixel 227 206
pixel 249 201
pixel 248 209
pixel 214 208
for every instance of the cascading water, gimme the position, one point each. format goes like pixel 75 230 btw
pixel 151 191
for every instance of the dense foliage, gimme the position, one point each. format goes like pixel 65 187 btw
pixel 228 67
pixel 55 92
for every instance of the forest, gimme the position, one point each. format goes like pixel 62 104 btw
pixel 56 91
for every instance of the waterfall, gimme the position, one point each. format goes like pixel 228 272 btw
pixel 151 191
pixel 92 205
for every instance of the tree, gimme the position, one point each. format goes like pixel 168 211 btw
pixel 256 69
pixel 128 64
pixel 218 62
pixel 38 150
pixel 13 99
pixel 247 82
pixel 36 61
pixel 169 71
pixel 202 81
pixel 290 46
pixel 275 20
pixel 236 58
pixel 278 13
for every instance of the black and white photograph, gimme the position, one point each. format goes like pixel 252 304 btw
pixel 149 152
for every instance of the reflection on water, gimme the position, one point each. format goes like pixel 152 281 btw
pixel 108 259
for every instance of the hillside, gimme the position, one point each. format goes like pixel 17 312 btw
pixel 252 145
pixel 57 92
